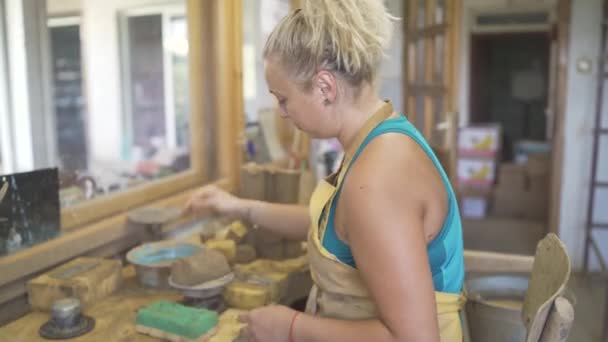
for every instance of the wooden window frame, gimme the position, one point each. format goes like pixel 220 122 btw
pixel 216 99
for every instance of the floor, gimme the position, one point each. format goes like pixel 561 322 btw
pixel 590 300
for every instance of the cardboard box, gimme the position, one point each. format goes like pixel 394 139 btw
pixel 475 203
pixel 540 184
pixel 478 173
pixel 252 185
pixel 520 204
pixel 526 148
pixel 88 279
pixel 536 206
pixel 509 203
pixel 512 176
pixel 479 141
pixel 538 164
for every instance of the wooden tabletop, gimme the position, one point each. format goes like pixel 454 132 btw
pixel 115 315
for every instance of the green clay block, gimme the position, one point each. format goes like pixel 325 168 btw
pixel 177 319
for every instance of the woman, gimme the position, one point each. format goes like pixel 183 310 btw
pixel 384 233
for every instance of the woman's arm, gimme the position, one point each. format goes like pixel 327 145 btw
pixel 290 221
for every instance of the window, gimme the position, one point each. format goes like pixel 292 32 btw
pixel 214 112
pixel 69 100
pixel 155 59
pixel 104 100
pixel 259 19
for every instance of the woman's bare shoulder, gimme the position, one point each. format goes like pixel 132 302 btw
pixel 394 162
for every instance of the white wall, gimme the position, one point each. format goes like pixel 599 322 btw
pixel 102 65
pixel 585 31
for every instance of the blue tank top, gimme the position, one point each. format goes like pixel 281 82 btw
pixel 446 250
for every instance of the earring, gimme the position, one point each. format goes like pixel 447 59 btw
pixel 326 102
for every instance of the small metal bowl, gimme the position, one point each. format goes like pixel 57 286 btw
pixel 153 261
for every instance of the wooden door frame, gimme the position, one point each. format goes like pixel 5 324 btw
pixel 564 14
pixel 451 26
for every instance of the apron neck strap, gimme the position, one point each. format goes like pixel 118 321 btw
pixel 381 114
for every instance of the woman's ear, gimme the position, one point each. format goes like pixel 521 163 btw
pixel 327 86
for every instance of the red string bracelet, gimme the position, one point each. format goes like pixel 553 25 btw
pixel 293 321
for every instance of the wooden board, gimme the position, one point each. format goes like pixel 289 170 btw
pixel 550 274
pixel 490 262
pixel 163 335
pixel 88 279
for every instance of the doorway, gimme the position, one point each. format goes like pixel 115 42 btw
pixel 510 85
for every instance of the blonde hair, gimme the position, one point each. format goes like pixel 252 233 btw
pixel 345 36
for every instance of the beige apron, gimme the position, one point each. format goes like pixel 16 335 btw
pixel 338 291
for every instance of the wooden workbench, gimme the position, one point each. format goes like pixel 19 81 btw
pixel 115 315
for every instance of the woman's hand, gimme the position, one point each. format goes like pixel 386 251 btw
pixel 216 200
pixel 268 324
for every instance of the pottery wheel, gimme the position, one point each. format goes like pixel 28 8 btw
pixel 207 295
pixel 51 331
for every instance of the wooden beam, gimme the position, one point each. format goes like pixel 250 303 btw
pixel 296 4
pixel 405 65
pixel 427 32
pixel 228 67
pixel 412 6
pixel 490 262
pixel 424 89
pixel 102 207
pixel 451 75
pixel 78 242
pixel 429 60
pixel 564 8
pixel 198 41
pixel 431 5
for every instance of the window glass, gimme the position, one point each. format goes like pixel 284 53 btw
pixel 98 104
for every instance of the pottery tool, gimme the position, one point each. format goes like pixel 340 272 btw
pixel 152 220
pixel 207 295
pixel 176 322
pixel 66 321
pixel 201 278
